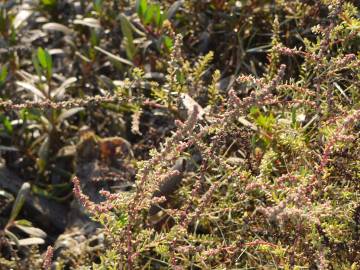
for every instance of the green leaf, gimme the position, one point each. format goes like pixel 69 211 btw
pixel 43 154
pixel 159 16
pixel 97 5
pixel 126 29
pixel 149 14
pixel 45 61
pixel 265 122
pixel 48 64
pixel 168 42
pixel 19 202
pixel 36 64
pixel 41 56
pixel 141 7
pixel 94 39
pixel 7 124
pixel 180 78
pixel 254 112
pixel 3 20
pixel 50 3
pixel 23 222
pixel 3 75
pixel 41 164
pixel 293 116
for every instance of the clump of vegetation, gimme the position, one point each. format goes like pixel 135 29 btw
pixel 195 135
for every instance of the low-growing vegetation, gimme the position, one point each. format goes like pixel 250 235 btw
pixel 179 134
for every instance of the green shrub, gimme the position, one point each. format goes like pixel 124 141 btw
pixel 259 98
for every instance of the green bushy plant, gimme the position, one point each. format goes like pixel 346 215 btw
pixel 269 201
pixel 259 97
